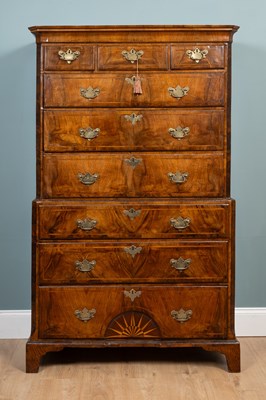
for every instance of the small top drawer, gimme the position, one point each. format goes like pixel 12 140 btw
pixel 125 57
pixel 68 57
pixel 197 56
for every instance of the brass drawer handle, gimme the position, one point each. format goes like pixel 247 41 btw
pixel 135 81
pixel 90 93
pixel 68 55
pixel 132 294
pixel 178 177
pixel 86 224
pixel 87 178
pixel 133 118
pixel 132 55
pixel 179 132
pixel 89 133
pixel 85 265
pixel 85 315
pixel 196 55
pixel 133 162
pixel 132 213
pixel 180 264
pixel 181 315
pixel 178 92
pixel 180 223
pixel 133 250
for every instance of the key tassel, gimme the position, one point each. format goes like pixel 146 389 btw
pixel 137 83
pixel 137 86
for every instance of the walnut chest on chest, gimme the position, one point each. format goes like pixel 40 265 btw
pixel 133 224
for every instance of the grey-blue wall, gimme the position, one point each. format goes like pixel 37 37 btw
pixel 17 123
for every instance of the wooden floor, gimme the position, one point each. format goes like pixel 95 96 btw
pixel 133 374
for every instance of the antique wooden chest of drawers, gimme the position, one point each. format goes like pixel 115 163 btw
pixel 133 224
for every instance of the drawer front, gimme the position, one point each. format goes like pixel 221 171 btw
pixel 133 261
pixel 197 56
pixel 124 57
pixel 137 312
pixel 134 175
pixel 133 129
pixel 201 88
pixel 111 219
pixel 68 57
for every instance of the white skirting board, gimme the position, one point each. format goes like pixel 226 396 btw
pixel 15 324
